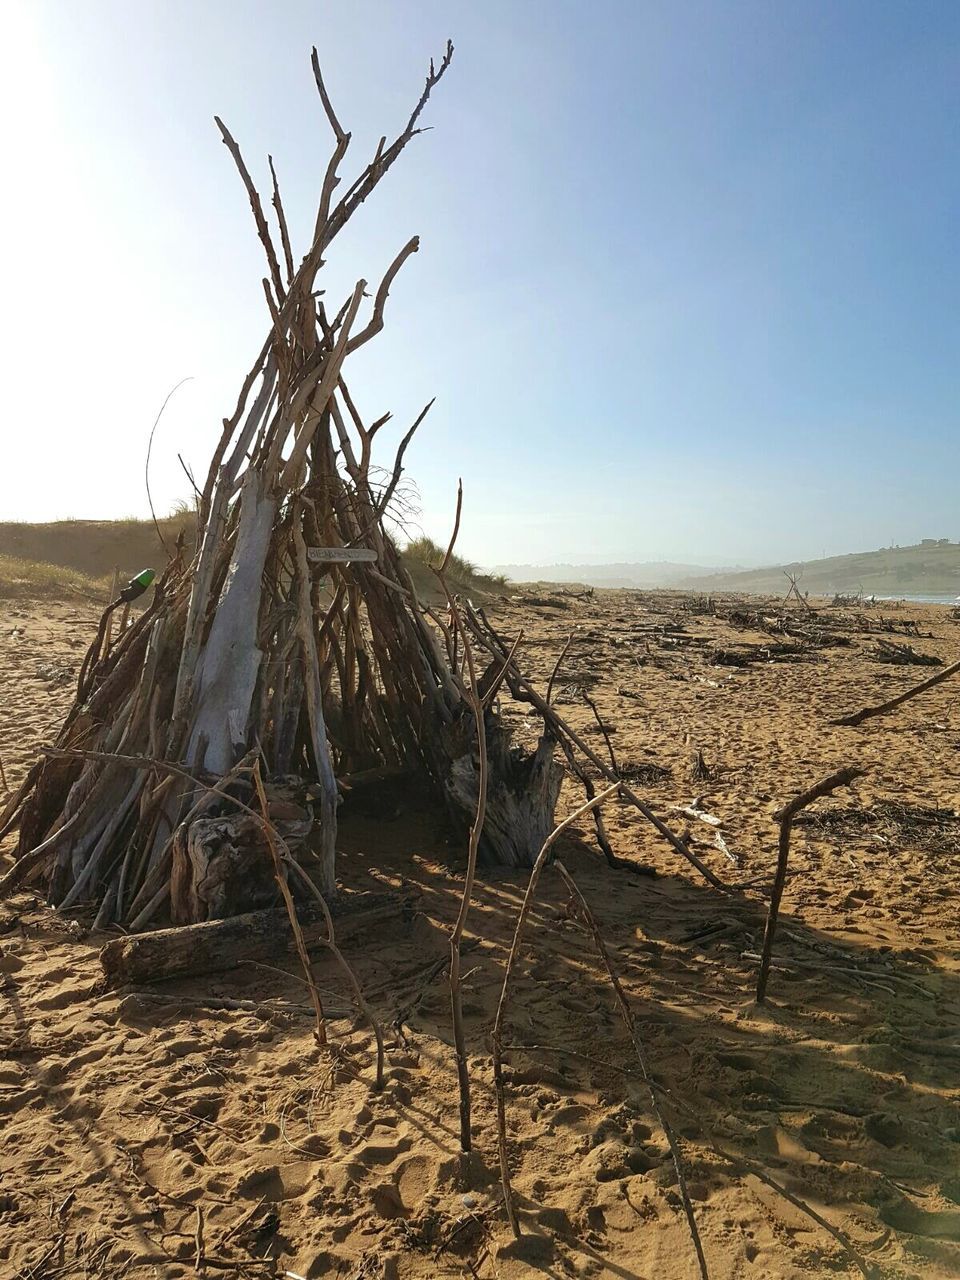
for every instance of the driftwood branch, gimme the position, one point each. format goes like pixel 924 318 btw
pixel 216 945
pixel 556 668
pixel 867 713
pixel 824 787
pixel 453 537
pixel 380 301
pixel 263 230
pixel 331 115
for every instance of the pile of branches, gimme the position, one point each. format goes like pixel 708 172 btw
pixel 292 642
pixel 811 627
pixel 291 651
pixel 903 655
pixel 746 655
pixel 914 826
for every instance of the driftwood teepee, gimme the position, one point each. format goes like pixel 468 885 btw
pixel 293 638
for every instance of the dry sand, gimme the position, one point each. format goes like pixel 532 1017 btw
pixel 131 1120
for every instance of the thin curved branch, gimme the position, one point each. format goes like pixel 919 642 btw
pixel 496 1035
pixel 338 132
pixel 376 320
pixel 263 231
pixel 384 158
pixel 627 1015
pixel 146 467
pixel 456 529
pixel 557 665
pixel 282 221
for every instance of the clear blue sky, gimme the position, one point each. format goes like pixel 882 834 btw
pixel 689 283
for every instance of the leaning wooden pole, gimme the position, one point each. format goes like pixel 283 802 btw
pixel 825 787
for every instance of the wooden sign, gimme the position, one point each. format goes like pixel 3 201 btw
pixel 341 555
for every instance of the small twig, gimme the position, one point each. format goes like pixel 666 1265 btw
pixel 199 1259
pixel 495 684
pixel 824 787
pixel 590 791
pixel 331 115
pixel 476 830
pixel 631 1026
pixel 603 729
pixel 37 1267
pixel 146 468
pixel 744 1163
pixel 556 666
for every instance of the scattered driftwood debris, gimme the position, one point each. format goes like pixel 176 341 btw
pixel 898 824
pixel 746 655
pixel 903 655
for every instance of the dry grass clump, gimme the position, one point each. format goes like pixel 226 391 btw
pixel 422 553
pixel 37 580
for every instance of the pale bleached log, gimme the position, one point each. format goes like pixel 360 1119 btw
pixel 222 944
pixel 230 662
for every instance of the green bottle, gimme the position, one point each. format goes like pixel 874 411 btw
pixel 137 585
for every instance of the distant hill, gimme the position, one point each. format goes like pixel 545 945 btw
pixel 931 567
pixel 653 573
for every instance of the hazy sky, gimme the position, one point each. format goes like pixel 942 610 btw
pixel 689 280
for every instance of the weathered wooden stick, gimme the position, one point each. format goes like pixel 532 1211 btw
pixel 497 1033
pixel 824 787
pixel 21 869
pixel 556 667
pixel 216 945
pixel 476 831
pixel 631 1026
pixel 290 906
pixel 867 713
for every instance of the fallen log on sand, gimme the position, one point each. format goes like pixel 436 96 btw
pixel 221 944
pixel 867 713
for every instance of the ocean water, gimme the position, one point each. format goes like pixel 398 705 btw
pixel 920 598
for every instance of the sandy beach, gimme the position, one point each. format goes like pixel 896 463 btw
pixel 195 1127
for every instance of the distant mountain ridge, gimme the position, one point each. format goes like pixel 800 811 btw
pixel 928 567
pixel 650 573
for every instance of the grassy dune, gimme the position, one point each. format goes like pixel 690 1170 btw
pixel 36 580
